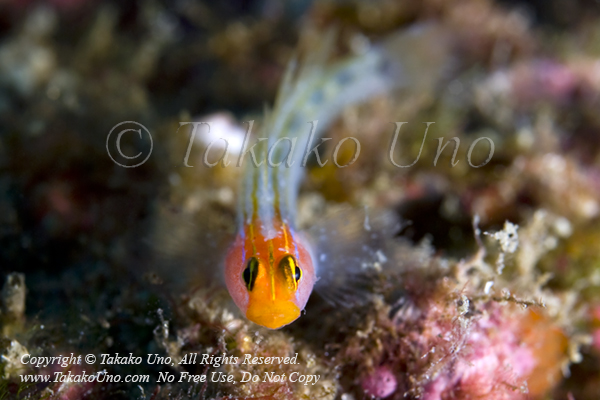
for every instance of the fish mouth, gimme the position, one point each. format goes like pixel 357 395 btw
pixel 273 315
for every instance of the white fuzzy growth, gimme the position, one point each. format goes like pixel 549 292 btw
pixel 507 237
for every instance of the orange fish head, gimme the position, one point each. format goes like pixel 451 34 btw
pixel 269 280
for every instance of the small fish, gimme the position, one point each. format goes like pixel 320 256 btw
pixel 271 268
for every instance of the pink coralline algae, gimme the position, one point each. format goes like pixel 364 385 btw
pixel 544 79
pixel 495 364
pixel 381 383
pixel 500 356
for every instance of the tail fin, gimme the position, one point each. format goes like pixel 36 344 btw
pixel 418 58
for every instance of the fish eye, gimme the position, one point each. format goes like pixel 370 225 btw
pixel 250 273
pixel 297 273
pixel 291 270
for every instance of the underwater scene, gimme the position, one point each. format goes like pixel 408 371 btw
pixel 303 199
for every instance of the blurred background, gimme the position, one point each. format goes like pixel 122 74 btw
pixel 99 258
